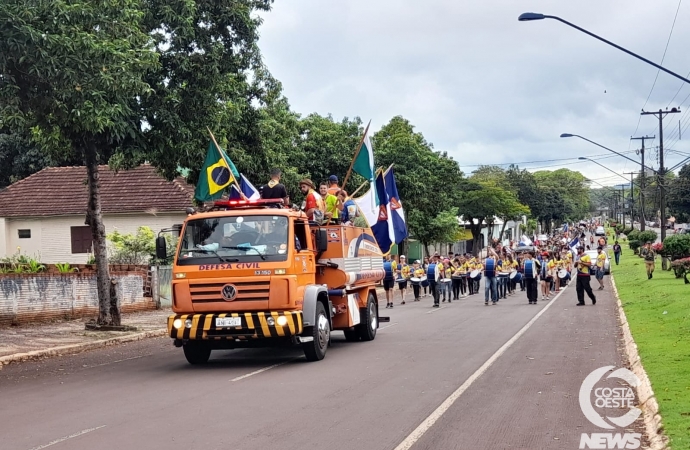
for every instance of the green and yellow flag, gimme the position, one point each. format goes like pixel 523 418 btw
pixel 217 173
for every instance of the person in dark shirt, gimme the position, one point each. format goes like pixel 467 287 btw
pixel 274 188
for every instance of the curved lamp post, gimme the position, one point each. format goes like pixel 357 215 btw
pixel 528 17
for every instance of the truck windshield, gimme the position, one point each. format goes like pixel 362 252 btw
pixel 234 239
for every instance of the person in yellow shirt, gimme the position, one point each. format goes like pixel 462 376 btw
pixel 331 201
pixel 417 272
pixel 403 273
pixel 601 260
pixel 583 263
pixel 559 265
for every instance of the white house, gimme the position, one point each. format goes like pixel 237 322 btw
pixel 43 214
pixel 511 232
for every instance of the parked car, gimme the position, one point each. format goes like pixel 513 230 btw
pixel 593 255
pixel 600 231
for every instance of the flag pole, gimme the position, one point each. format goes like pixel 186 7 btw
pixel 222 154
pixel 359 188
pixel 359 147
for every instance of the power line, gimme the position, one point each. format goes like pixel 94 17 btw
pixel 595 157
pixel 668 41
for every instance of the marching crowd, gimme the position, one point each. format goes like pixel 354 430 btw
pixel 541 269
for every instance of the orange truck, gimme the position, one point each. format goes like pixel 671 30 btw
pixel 250 274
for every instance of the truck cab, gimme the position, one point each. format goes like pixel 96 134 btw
pixel 249 273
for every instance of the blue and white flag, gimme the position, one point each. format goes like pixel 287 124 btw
pixel 565 228
pixel 248 190
pixel 381 228
pixel 396 215
pixel 574 244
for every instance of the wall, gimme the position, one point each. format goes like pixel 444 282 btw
pixel 43 297
pixel 3 237
pixel 50 236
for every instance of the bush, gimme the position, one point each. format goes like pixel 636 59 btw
pixel 677 246
pixel 633 235
pixel 634 245
pixel 681 267
pixel 627 231
pixel 619 228
pixel 132 248
pixel 647 236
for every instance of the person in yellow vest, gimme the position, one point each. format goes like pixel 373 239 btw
pixel 583 263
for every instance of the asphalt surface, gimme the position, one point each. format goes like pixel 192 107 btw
pixel 369 395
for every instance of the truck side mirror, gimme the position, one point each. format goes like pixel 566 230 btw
pixel 321 240
pixel 161 250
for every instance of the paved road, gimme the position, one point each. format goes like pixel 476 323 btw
pixel 363 395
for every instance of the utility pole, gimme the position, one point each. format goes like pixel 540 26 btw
pixel 632 197
pixel 661 174
pixel 642 179
pixel 623 205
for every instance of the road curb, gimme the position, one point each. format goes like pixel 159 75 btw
pixel 648 403
pixel 78 348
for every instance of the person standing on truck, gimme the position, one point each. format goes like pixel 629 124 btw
pixel 333 187
pixel 314 206
pixel 331 202
pixel 388 281
pixel 274 188
pixel 348 208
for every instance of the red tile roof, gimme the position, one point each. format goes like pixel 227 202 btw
pixel 58 191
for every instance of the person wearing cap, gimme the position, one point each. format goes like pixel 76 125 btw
pixel 333 187
pixel 583 264
pixel 314 206
pixel 648 253
pixel 601 261
pixel 417 272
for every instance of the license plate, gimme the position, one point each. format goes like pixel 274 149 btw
pixel 228 321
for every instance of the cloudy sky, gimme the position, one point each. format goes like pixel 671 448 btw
pixel 484 87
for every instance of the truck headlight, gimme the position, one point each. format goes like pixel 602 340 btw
pixel 270 321
pixel 282 321
pixel 188 323
pixel 177 323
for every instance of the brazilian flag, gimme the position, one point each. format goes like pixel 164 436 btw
pixel 217 173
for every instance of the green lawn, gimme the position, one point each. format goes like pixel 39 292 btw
pixel 658 311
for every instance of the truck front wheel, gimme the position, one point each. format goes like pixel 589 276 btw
pixel 370 320
pixel 321 334
pixel 196 352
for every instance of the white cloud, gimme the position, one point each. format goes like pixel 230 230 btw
pixel 475 81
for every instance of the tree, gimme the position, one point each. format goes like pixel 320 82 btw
pixel 478 203
pixel 679 194
pixel 427 180
pixel 72 74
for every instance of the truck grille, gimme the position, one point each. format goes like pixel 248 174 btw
pixel 246 291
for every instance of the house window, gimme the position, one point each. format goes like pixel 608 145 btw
pixel 24 234
pixel 81 239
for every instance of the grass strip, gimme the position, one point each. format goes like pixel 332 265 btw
pixel 658 312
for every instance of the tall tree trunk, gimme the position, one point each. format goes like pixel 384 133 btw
pixel 426 249
pixel 503 230
pixel 476 238
pixel 94 219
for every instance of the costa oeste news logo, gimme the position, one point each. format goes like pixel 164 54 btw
pixel 595 398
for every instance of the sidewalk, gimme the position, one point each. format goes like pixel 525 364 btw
pixel 50 339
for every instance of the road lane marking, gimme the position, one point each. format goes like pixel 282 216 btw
pixel 388 326
pixel 256 372
pixel 436 309
pixel 423 427
pixel 71 436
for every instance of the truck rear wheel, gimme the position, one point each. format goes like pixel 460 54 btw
pixel 321 333
pixel 196 352
pixel 370 320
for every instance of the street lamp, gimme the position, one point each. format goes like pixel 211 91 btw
pixel 584 158
pixel 528 17
pixel 567 135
